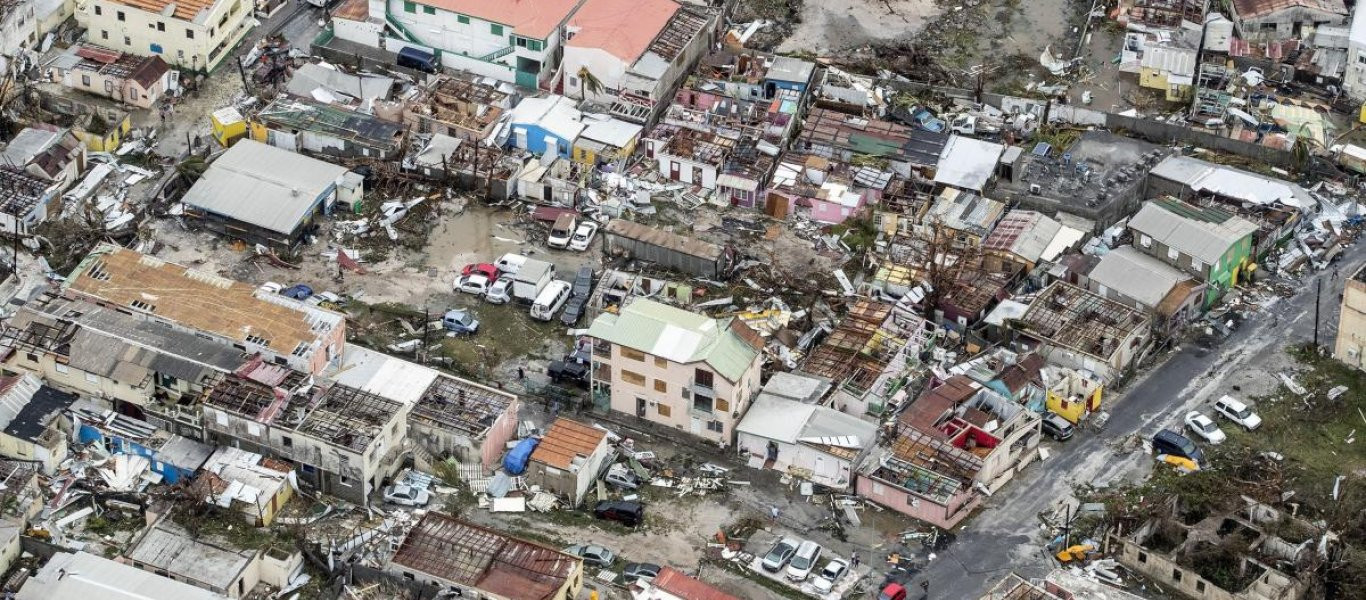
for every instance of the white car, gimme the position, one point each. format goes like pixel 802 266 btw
pixel 500 292
pixel 406 495
pixel 804 561
pixel 1204 427
pixel 1234 410
pixel 830 575
pixel 473 284
pixel 270 287
pixel 583 236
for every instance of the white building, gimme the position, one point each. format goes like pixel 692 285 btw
pixel 806 440
pixel 191 34
pixel 1354 76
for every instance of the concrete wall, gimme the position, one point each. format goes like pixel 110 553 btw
pixel 146 33
pixel 1351 340
pixel 822 467
pixel 944 516
pixel 662 390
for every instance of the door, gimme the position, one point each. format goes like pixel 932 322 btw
pixel 776 206
pixel 640 407
pixel 696 426
pixel 675 170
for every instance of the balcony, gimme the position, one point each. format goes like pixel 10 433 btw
pixel 497 54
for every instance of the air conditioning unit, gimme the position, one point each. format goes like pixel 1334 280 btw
pixel 1035 188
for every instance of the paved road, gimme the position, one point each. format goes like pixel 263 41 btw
pixel 1005 536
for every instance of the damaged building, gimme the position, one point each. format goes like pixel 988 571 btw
pixel 465 420
pixel 139 81
pixel 47 152
pixel 325 130
pixel 463 106
pixel 1078 329
pixel 25 200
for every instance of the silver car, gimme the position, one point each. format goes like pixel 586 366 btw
pixel 780 554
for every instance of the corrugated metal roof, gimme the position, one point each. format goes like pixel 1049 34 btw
pixel 775 418
pixel 82 576
pixel 1136 275
pixel 968 163
pixel 565 440
pixel 664 239
pixel 683 587
pixel 678 336
pixel 263 185
pixel 1204 240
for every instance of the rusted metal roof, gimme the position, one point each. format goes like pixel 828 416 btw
pixel 565 440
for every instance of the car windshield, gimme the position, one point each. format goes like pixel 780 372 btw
pixel 803 562
pixel 1242 413
pixel 462 319
pixel 831 571
pixel 780 551
pixel 1186 446
pixel 1208 426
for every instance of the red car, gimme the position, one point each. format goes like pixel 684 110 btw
pixel 893 591
pixel 485 269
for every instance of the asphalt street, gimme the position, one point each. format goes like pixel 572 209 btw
pixel 1006 535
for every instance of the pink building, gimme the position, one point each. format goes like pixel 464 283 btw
pixel 136 80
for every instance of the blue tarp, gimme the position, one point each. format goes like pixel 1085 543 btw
pixel 515 463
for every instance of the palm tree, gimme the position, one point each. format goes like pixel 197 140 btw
pixel 588 82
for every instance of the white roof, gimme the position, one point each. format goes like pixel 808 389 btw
pixel 382 375
pixel 1136 275
pixel 1170 60
pixel 967 163
pixel 1204 240
pixel 1065 238
pixel 82 576
pixel 777 419
pixel 263 185
pixel 1007 309
pixel 1204 176
pixel 555 114
pixel 613 132
pixel 311 76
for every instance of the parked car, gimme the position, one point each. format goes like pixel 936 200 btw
pixel 640 572
pixel 500 292
pixel 622 476
pixel 406 495
pixel 460 321
pixel 419 59
pixel 626 512
pixel 1174 444
pixel 892 591
pixel 924 119
pixel 1056 427
pixel 486 269
pixel 270 287
pixel 473 284
pixel 1204 427
pixel 592 554
pixel 583 281
pixel 561 371
pixel 510 262
pixel 550 300
pixel 779 555
pixel 573 310
pixel 833 571
pixel 1234 410
pixel 562 231
pixel 583 236
pixel 804 561
pixel 297 291
pixel 326 300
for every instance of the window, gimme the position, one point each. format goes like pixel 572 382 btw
pixel 1145 241
pixel 534 45
pixel 495 29
pixel 189 34
pixel 521 41
pixel 663 410
pixel 287 441
pixel 410 7
pixel 161 26
pixel 878 489
pixel 661 363
pixel 61 368
pixel 661 387
pixel 1172 253
pixel 703 378
pixel 127 41
pixel 633 378
pixel 85 80
pixel 1197 265
pixel 716 426
pixel 462 19
pixel 344 480
pixel 180 54
pixel 409 576
pixel 1200 586
pixel 121 16
pixel 1142 557
pixel 428 10
pixel 722 405
pixel 1176 574
pixel 99 11
pixel 701 403
pixel 632 354
pixel 104 35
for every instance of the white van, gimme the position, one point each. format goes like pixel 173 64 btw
pixel 550 300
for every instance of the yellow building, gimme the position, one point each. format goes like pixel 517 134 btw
pixel 107 136
pixel 1169 69
pixel 227 125
pixel 607 140
pixel 1351 340
pixel 190 34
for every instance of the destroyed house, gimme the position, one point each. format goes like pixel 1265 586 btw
pixel 330 85
pixel 1162 14
pixel 841 137
pixel 462 106
pixel 282 330
pixel 821 189
pixel 1100 177
pixel 458 418
pixel 978 419
pixel 1273 205
pixel 746 173
pixel 688 155
pixel 675 368
pixel 1282 19
pixel 140 81
pixel 665 249
pixel 806 440
pixel 32 415
pixel 460 559
pixel 169 550
pixel 751 75
pixel 246 482
pixel 138 366
pixel 266 195
pixel 25 200
pixel 648 83
pixel 171 456
pixel 47 152
pixel 339 439
pixel 770 121
pixel 608 37
pixel 615 289
pixel 569 459
pixel 866 356
pixel 922 476
pixel 969 217
pixel 1078 329
pixel 1024 238
pixel 321 129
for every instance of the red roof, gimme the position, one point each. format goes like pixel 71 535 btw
pixel 97 54
pixel 675 582
pixel 535 19
pixel 622 28
pixel 923 414
pixel 565 440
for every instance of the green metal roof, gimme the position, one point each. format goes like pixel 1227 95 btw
pixel 677 335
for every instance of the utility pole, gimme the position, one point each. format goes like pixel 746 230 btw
pixel 1318 293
